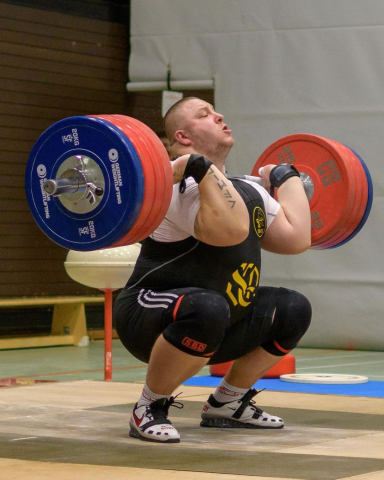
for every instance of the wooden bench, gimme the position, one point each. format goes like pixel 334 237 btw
pixel 69 325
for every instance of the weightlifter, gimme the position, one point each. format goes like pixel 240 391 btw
pixel 194 296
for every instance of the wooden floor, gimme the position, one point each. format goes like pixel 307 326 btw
pixel 79 430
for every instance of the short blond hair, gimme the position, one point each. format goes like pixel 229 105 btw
pixel 171 118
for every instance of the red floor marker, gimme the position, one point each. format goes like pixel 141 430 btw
pixel 286 365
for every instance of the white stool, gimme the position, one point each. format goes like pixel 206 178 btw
pixel 107 270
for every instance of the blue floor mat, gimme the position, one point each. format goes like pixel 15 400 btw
pixel 369 389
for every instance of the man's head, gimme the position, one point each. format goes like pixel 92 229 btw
pixel 193 126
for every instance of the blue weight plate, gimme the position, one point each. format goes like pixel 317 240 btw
pixel 120 165
pixel 369 202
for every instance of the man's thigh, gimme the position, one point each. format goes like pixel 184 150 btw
pixel 142 315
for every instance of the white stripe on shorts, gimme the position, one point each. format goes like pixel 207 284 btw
pixel 145 300
pixel 160 298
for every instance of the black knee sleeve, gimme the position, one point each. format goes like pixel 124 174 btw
pixel 292 319
pixel 200 321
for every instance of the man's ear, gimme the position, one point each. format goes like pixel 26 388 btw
pixel 181 136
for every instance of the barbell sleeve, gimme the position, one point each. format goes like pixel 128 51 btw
pixel 63 185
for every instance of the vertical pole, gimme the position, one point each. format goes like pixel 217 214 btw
pixel 108 334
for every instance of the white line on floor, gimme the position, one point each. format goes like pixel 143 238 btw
pixel 340 365
pixel 23 438
pixel 319 357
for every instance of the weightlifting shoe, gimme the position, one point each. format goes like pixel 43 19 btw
pixel 150 422
pixel 238 414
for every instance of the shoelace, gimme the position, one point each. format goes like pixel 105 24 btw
pixel 160 407
pixel 172 402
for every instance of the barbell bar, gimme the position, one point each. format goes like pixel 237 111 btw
pixel 104 181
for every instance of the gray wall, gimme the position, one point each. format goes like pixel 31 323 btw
pixel 303 66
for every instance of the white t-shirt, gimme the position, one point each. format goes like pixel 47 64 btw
pixel 179 222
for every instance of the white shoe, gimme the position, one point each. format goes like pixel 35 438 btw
pixel 150 422
pixel 238 414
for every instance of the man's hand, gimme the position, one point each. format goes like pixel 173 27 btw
pixel 178 168
pixel 264 174
pixel 290 232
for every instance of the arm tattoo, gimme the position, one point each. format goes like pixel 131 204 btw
pixel 232 202
pixel 221 184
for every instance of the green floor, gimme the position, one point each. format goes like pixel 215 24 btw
pixel 87 363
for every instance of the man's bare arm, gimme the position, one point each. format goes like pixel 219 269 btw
pixel 223 218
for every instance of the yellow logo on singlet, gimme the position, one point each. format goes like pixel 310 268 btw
pixel 259 221
pixel 243 289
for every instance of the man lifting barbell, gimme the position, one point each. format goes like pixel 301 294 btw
pixel 194 296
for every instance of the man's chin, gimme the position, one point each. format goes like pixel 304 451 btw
pixel 230 141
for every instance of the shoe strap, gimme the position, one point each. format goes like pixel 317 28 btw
pixel 160 420
pixel 246 401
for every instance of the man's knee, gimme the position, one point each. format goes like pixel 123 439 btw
pixel 292 319
pixel 200 323
pixel 295 310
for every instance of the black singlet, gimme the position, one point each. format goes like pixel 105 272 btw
pixel 232 271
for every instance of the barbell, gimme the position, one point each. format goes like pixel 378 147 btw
pixel 105 181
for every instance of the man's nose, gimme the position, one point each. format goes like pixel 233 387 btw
pixel 219 117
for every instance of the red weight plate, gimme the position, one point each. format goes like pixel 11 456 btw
pixel 161 204
pixel 351 221
pixel 345 203
pixel 361 195
pixel 143 145
pixel 333 197
pixel 166 165
pixel 163 191
pixel 368 205
pixel 159 147
pixel 348 222
pixel 134 233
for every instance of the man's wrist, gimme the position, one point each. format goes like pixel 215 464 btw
pixel 197 167
pixel 280 174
